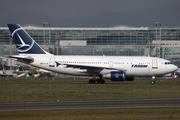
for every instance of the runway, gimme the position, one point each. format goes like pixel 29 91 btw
pixel 90 104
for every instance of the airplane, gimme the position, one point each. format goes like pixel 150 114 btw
pixel 115 68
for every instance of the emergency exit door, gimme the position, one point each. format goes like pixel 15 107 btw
pixel 52 62
pixel 111 64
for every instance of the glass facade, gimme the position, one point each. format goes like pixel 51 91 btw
pixel 161 42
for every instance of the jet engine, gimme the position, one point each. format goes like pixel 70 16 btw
pixel 116 76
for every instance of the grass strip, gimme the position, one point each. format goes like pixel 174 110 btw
pixel 48 90
pixel 164 113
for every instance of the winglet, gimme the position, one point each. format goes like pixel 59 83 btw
pixel 25 44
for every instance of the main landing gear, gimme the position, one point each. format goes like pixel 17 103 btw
pixel 152 81
pixel 96 79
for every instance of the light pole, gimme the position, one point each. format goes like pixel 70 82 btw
pixel 158 39
pixel 46 24
pixel 46 43
pixel 57 45
pixel 149 39
pixel 58 39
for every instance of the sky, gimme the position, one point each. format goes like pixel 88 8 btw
pixel 78 8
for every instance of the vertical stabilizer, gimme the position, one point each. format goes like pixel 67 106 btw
pixel 24 42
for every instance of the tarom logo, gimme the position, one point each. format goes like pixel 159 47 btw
pixel 139 66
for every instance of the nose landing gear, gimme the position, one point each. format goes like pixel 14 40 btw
pixel 153 80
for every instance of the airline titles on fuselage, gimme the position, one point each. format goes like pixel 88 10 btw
pixel 138 66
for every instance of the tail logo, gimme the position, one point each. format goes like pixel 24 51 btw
pixel 22 46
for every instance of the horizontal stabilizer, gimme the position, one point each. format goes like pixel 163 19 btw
pixel 24 59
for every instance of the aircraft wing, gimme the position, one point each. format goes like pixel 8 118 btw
pixel 94 68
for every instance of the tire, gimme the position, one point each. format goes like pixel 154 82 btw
pixel 152 82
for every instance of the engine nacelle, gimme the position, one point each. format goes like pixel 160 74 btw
pixel 116 76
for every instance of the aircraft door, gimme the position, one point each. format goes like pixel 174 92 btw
pixel 110 64
pixel 154 68
pixel 52 62
pixel 154 64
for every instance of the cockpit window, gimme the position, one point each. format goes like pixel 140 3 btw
pixel 167 63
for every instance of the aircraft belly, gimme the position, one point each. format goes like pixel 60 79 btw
pixel 141 72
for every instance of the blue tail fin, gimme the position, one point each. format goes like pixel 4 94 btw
pixel 24 42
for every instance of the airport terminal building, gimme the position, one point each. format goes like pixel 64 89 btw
pixel 159 41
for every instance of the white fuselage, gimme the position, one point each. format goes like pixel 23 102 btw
pixel 131 65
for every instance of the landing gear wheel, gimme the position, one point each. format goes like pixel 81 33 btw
pixel 96 81
pixel 102 81
pixel 91 81
pixel 152 82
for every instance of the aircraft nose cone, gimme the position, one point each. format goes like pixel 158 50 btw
pixel 176 67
